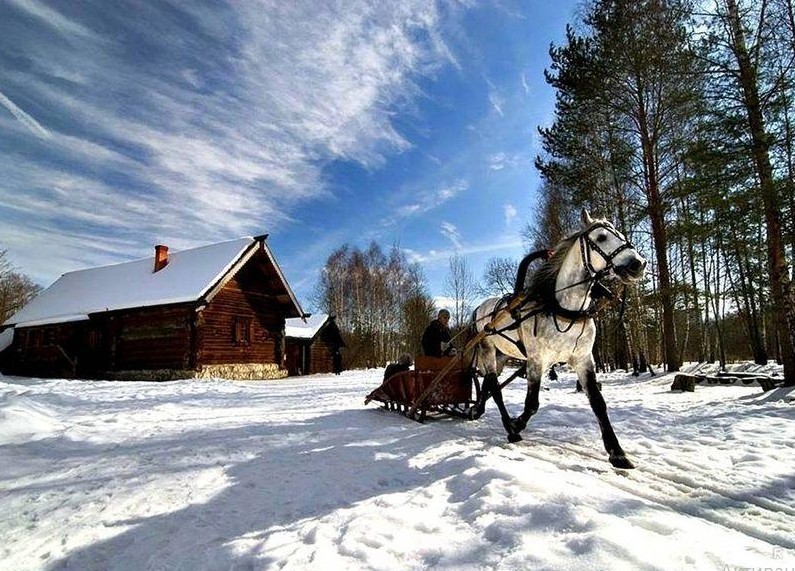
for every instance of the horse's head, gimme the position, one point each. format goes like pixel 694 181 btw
pixel 605 249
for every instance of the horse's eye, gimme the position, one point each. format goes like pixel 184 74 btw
pixel 601 238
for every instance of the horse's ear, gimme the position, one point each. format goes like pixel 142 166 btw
pixel 585 218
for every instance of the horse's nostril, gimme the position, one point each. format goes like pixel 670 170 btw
pixel 636 266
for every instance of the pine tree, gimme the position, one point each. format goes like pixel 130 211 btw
pixel 626 97
pixel 750 73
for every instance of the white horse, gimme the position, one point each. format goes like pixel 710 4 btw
pixel 556 324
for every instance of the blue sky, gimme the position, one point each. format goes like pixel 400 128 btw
pixel 126 124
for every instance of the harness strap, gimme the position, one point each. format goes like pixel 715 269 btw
pixel 516 342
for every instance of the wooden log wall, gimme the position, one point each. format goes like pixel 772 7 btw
pixel 57 350
pixel 323 347
pixel 153 338
pixel 321 357
pixel 294 352
pixel 176 337
pixel 37 352
pixel 241 300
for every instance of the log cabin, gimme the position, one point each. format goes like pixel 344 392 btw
pixel 213 311
pixel 312 344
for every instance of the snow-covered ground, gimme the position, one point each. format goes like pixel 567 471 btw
pixel 298 474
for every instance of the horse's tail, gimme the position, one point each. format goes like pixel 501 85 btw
pixel 472 355
pixel 482 314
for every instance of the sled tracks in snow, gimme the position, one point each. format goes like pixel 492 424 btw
pixel 683 490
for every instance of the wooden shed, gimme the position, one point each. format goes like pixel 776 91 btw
pixel 313 345
pixel 213 311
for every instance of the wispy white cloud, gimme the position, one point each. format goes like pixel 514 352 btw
pixel 24 118
pixel 450 191
pixel 497 103
pixel 501 160
pixel 495 99
pixel 510 213
pixel 497 161
pixel 525 85
pixel 225 126
pixel 425 200
pixel 450 231
pixel 53 19
pixel 434 256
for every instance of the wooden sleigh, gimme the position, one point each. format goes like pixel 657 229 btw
pixel 424 391
pixel 442 385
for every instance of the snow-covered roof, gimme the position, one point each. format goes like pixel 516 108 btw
pixel 6 338
pixel 298 329
pixel 188 276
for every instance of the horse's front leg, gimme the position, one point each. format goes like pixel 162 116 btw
pixel 587 376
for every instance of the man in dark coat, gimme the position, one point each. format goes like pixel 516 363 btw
pixel 436 338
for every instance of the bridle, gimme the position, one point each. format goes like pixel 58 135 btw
pixel 587 245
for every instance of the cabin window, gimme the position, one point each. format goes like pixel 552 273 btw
pixel 49 337
pixel 242 331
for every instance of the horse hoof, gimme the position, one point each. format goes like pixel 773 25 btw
pixel 517 425
pixel 621 462
pixel 513 437
pixel 474 413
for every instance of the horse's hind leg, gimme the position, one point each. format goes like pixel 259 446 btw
pixel 531 400
pixel 491 385
pixel 587 377
pixel 486 363
pixel 487 358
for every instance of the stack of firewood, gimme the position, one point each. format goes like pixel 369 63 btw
pixel 687 381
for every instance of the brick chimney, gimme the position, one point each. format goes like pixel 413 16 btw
pixel 161 257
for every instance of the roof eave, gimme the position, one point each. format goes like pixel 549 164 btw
pixel 246 255
pixel 213 289
pixel 299 312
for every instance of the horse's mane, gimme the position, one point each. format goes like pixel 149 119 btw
pixel 542 286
